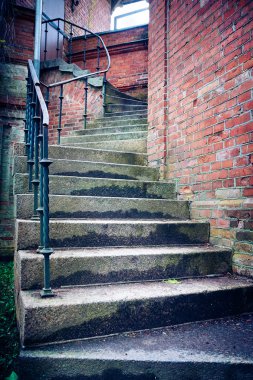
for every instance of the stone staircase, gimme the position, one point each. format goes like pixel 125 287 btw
pixel 131 272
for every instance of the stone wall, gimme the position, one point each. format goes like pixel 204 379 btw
pixel 12 94
pixel 200 94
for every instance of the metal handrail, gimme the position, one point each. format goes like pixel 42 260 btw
pixel 69 37
pixel 98 71
pixel 36 82
pixel 85 75
pixel 36 141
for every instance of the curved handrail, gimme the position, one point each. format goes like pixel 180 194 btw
pixel 36 82
pixel 85 75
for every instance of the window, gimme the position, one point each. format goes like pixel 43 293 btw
pixel 130 15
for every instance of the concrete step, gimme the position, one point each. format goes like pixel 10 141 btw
pixel 106 187
pixel 123 117
pixel 70 206
pixel 81 312
pixel 113 91
pixel 89 154
pixel 114 99
pixel 109 265
pixel 109 130
pixel 121 107
pixel 104 137
pixel 114 122
pixel 109 233
pixel 135 146
pixel 127 113
pixel 93 169
pixel 199 350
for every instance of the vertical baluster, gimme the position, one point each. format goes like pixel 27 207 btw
pixel 45 48
pixel 84 49
pixel 61 97
pixel 70 43
pixel 85 102
pixel 58 39
pixel 98 53
pixel 104 93
pixel 28 120
pixel 30 162
pixel 46 250
pixel 26 130
pixel 40 208
pixel 36 180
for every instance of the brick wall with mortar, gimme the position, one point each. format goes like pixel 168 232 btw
pixel 207 118
pixel 157 84
pixel 128 50
pixel 94 14
pixel 72 105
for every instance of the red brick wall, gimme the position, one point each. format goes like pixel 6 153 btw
pixel 128 50
pixel 208 119
pixel 19 48
pixel 157 90
pixel 26 3
pixel 92 14
pixel 72 105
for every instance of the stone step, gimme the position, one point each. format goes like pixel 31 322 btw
pixel 198 350
pixel 109 130
pixel 89 154
pixel 93 169
pixel 81 312
pixel 105 233
pixel 106 187
pixel 70 206
pixel 109 265
pixel 114 99
pixel 114 122
pixel 127 113
pixel 121 107
pixel 135 146
pixel 122 117
pixel 104 137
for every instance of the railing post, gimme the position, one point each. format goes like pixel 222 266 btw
pixel 40 209
pixel 98 52
pixel 28 119
pixel 70 43
pixel 84 49
pixel 85 102
pixel 58 39
pixel 61 97
pixel 36 180
pixel 30 162
pixel 45 48
pixel 104 93
pixel 46 250
pixel 26 130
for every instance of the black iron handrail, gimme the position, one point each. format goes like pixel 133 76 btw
pixel 85 76
pixel 36 140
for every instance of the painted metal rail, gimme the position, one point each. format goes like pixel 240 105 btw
pixel 37 145
pixel 36 142
pixel 85 34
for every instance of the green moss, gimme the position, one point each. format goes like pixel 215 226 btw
pixel 9 346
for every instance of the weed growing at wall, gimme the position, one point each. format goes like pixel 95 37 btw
pixel 8 330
